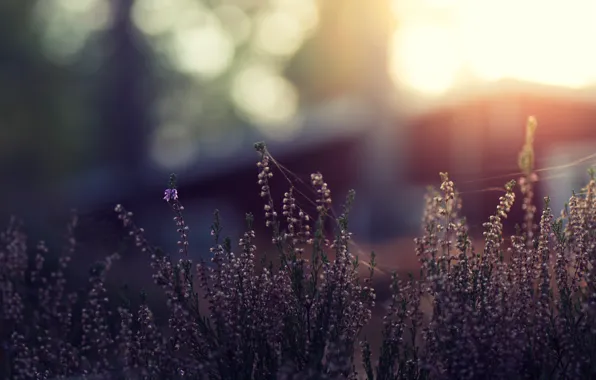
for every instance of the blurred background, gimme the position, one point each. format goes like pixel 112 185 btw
pixel 100 100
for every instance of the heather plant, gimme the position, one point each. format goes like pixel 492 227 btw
pixel 46 332
pixel 530 315
pixel 300 320
pixel 524 307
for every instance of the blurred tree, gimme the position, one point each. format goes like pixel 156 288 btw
pixel 125 94
pixel 44 112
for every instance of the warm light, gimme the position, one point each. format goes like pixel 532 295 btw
pixel 425 58
pixel 539 41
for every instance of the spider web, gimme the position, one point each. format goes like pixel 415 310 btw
pixel 308 195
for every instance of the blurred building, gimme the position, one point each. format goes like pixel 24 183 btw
pixel 478 138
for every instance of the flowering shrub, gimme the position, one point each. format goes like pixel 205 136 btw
pixel 520 310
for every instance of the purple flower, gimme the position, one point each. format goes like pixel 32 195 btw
pixel 170 194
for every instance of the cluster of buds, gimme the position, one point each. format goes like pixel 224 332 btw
pixel 171 196
pixel 297 219
pixel 263 181
pixel 494 227
pixel 324 201
pixel 133 231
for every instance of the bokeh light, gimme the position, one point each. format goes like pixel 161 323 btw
pixel 65 26
pixel 157 17
pixel 205 50
pixel 233 52
pixel 304 11
pixel 188 34
pixel 278 33
pixel 265 98
pixel 282 28
pixel 235 21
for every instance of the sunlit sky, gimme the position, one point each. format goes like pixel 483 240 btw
pixel 440 44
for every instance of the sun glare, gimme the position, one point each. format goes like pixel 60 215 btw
pixel 437 43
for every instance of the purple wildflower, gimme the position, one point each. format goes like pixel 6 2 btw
pixel 170 194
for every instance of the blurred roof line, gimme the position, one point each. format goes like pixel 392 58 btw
pixel 340 118
pixel 414 105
